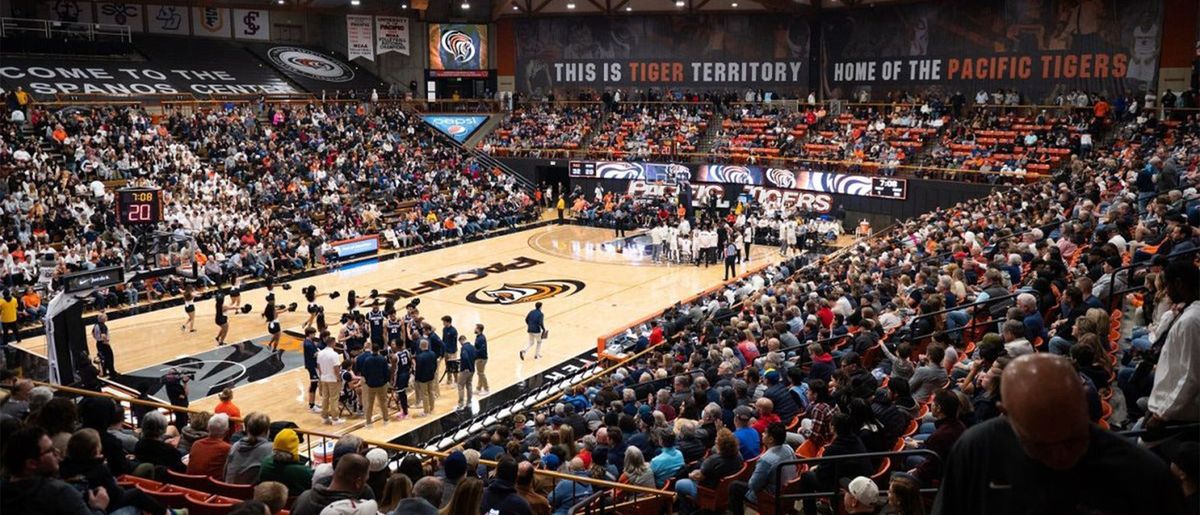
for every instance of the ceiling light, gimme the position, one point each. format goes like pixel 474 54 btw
pixel 355 2
pixel 628 9
pixel 515 8
pixel 405 6
pixel 465 6
pixel 570 6
pixel 733 4
pixel 280 2
pixel 679 3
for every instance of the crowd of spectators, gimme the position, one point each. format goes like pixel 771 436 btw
pixel 914 339
pixel 633 130
pixel 247 190
pixel 542 129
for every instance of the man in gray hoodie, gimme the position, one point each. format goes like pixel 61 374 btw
pixel 349 478
pixel 246 455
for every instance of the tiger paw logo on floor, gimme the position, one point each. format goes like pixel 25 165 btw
pixel 518 293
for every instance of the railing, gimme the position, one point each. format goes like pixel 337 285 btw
pixel 1129 270
pixel 29 27
pixel 326 439
pixel 777 478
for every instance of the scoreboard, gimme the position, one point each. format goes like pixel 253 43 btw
pixel 887 187
pixel 137 206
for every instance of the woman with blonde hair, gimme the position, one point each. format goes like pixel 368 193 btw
pixel 397 487
pixel 468 497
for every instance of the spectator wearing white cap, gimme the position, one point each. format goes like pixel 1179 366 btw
pixel 862 495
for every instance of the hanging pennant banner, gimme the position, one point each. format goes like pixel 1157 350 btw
pixel 212 22
pixel 167 19
pixel 360 41
pixel 120 13
pixel 391 33
pixel 252 24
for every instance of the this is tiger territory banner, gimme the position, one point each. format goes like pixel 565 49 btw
pixel 699 51
pixel 1039 48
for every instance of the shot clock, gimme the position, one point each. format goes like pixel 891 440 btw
pixel 136 206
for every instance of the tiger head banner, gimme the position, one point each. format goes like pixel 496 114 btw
pixel 456 46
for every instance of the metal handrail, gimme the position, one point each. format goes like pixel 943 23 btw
pixel 48 28
pixel 1130 268
pixel 384 445
pixel 777 478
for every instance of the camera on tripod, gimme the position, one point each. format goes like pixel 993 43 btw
pixel 178 376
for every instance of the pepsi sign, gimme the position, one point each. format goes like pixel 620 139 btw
pixel 458 127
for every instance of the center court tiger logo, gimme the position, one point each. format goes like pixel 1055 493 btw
pixel 459 45
pixel 519 293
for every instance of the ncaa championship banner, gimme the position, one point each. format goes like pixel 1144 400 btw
pixel 698 51
pixel 456 46
pixel 457 126
pixel 1041 49
pixel 360 41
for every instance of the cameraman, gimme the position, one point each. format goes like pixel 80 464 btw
pixel 176 383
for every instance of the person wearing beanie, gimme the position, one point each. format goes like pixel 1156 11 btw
pixel 455 467
pixel 284 466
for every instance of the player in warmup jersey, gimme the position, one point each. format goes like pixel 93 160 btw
pixel 311 347
pixel 401 362
pixel 375 320
pixel 394 327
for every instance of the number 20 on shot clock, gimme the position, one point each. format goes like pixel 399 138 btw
pixel 139 205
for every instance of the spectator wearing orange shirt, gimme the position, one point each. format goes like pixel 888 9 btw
pixel 227 407
pixel 208 454
pixel 33 304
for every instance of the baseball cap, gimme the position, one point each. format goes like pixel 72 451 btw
pixel 351 507
pixel 743 412
pixel 862 489
pixel 551 461
pixel 378 459
pixel 772 375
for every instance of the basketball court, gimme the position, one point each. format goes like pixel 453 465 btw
pixel 590 283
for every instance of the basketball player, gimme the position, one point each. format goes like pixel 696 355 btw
pixel 375 320
pixel 104 346
pixel 401 362
pixel 311 348
pixel 394 328
pixel 189 307
pixel 535 325
pixel 222 319
pixel 272 323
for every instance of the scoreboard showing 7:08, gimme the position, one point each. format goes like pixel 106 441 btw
pixel 136 206
pixel 888 187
